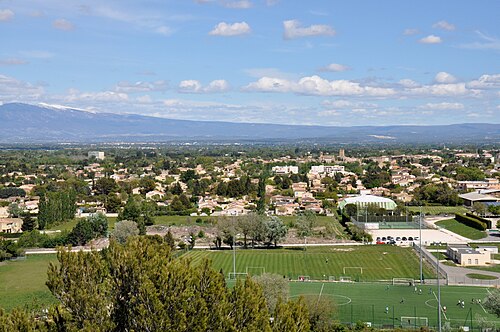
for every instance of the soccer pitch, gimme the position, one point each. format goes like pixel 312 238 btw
pixel 360 263
pixel 389 305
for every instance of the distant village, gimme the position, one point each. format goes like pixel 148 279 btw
pixel 235 185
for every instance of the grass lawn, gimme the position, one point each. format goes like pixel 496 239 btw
pixel 367 303
pixel 481 276
pixel 22 282
pixel 461 229
pixel 436 210
pixel 380 262
pixel 491 268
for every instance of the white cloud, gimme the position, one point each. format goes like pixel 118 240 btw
pixel 486 82
pixel 456 89
pixel 146 99
pixel 128 87
pixel 229 30
pixel 194 86
pixel 431 39
pixel 335 67
pixel 12 62
pixel 444 26
pixel 241 4
pixel 294 29
pixel 101 96
pixel 442 106
pixel 12 89
pixel 6 15
pixel 407 83
pixel 62 24
pixel 410 32
pixel 486 43
pixel 347 104
pixel 315 85
pixel 443 77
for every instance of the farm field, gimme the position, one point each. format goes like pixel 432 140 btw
pixel 22 282
pixel 436 210
pixel 363 263
pixel 461 229
pixel 367 303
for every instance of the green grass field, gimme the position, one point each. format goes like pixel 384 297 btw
pixel 461 229
pixel 380 262
pixel 367 303
pixel 436 210
pixel 22 282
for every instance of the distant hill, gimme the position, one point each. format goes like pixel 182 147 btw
pixel 24 123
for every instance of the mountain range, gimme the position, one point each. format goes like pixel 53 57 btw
pixel 26 123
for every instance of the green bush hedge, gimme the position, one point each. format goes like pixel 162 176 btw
pixel 483 220
pixel 471 222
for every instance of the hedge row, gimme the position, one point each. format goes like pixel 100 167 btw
pixel 358 234
pixel 471 222
pixel 481 219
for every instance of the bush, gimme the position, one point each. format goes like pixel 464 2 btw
pixel 471 222
pixel 481 219
pixel 358 234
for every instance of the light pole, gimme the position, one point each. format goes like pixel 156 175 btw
pixel 439 295
pixel 234 255
pixel 420 245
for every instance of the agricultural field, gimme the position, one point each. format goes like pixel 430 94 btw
pixel 437 210
pixel 363 263
pixel 461 229
pixel 22 282
pixel 367 303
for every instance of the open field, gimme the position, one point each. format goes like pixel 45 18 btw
pixel 378 262
pixel 22 282
pixel 461 229
pixel 367 303
pixel 436 210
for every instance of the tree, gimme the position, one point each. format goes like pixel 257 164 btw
pixel 275 230
pixel 274 288
pixel 305 223
pixel 147 184
pixel 169 240
pixel 351 209
pixel 140 287
pixel 321 312
pixel 123 230
pixel 105 186
pixel 492 302
pixel 291 316
pixel 29 223
pixel 190 174
pixel 112 203
pixel 251 226
pixel 479 208
pixel 14 210
pixel 89 228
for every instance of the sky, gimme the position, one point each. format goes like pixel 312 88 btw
pixel 318 62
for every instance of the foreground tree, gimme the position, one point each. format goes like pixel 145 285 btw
pixel 140 287
pixel 492 302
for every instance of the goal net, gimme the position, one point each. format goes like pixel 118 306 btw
pixel 403 281
pixel 304 278
pixel 255 270
pixel 345 279
pixel 353 269
pixel 331 278
pixel 237 275
pixel 412 321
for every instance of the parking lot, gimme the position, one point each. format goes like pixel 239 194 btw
pixel 428 236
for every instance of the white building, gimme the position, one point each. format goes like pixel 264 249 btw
pixel 99 155
pixel 285 169
pixel 327 169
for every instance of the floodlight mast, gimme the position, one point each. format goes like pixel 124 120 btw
pixel 420 245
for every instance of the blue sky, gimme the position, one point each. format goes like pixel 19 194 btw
pixel 273 61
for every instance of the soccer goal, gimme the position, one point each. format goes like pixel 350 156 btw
pixel 237 275
pixel 304 278
pixel 345 279
pixel 255 270
pixel 412 321
pixel 331 278
pixel 353 268
pixel 403 281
